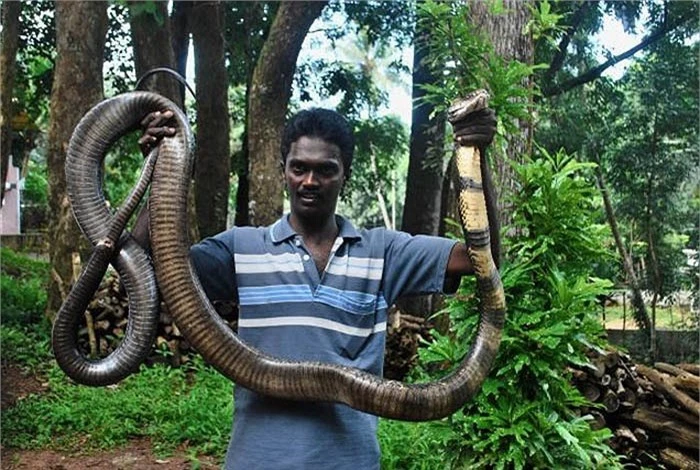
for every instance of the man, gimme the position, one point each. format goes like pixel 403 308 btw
pixel 312 287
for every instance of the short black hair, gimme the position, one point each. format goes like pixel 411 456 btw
pixel 325 124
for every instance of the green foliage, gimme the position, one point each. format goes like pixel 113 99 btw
pixel 551 201
pixel 23 283
pixel 27 347
pixel 525 415
pixel 465 60
pixel 545 23
pixel 381 147
pixel 170 406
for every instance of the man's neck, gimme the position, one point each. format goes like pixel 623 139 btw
pixel 314 230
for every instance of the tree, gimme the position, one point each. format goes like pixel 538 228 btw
pixel 247 28
pixel 10 37
pixel 571 67
pixel 507 32
pixel 212 153
pixel 421 212
pixel 269 96
pixel 653 154
pixel 77 86
pixel 152 41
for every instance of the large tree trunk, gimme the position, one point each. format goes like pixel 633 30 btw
pixel 10 35
pixel 153 47
pixel 213 153
pixel 510 43
pixel 80 38
pixel 180 29
pixel 421 213
pixel 641 316
pixel 150 33
pixel 269 96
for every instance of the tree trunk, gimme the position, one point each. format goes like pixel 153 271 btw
pixel 80 38
pixel 641 316
pixel 510 43
pixel 270 91
pixel 153 47
pixel 180 29
pixel 421 212
pixel 422 206
pixel 10 35
pixel 213 153
pixel 150 33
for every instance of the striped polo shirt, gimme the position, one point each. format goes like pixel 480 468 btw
pixel 289 310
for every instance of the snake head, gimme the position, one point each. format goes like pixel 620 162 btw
pixel 474 101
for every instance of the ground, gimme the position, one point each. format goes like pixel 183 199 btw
pixel 137 455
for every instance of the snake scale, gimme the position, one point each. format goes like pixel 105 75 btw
pixel 194 314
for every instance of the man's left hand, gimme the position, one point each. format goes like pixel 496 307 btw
pixel 477 128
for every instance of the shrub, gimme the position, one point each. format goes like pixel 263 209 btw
pixel 525 415
pixel 23 284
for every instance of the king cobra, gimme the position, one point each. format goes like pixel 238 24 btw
pixel 195 316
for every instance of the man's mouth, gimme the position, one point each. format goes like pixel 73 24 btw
pixel 308 197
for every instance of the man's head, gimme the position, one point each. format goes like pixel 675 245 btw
pixel 325 124
pixel 317 149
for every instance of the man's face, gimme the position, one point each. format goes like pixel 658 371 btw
pixel 314 175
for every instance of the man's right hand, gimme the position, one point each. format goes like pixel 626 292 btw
pixel 155 126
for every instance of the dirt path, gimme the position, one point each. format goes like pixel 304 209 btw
pixel 138 454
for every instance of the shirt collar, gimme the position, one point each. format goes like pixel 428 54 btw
pixel 282 230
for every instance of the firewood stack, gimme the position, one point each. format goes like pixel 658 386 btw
pixel 653 412
pixel 404 335
pixel 107 317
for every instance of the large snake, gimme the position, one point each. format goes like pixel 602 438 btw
pixel 197 318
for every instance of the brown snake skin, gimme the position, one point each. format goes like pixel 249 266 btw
pixel 211 336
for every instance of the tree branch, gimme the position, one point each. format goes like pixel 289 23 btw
pixel 597 71
pixel 558 59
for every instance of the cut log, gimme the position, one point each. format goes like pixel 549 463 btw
pixel 669 430
pixel 668 368
pixel 663 384
pixel 590 391
pixel 692 368
pixel 597 420
pixel 677 459
pixel 627 399
pixel 624 432
pixel 679 415
pixel 610 401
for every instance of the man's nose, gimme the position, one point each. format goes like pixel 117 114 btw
pixel 310 179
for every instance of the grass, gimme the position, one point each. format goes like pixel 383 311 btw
pixel 671 318
pixel 171 407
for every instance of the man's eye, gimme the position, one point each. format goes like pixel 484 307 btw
pixel 328 171
pixel 298 170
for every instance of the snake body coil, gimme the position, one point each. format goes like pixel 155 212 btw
pixel 249 367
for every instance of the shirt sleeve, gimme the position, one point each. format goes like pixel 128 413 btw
pixel 414 264
pixel 214 263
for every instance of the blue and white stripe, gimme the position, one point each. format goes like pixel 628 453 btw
pixel 352 266
pixel 267 263
pixel 308 321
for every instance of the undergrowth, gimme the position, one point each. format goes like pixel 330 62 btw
pixel 526 414
pixel 171 407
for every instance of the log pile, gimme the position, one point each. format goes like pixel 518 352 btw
pixel 404 335
pixel 105 323
pixel 653 412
